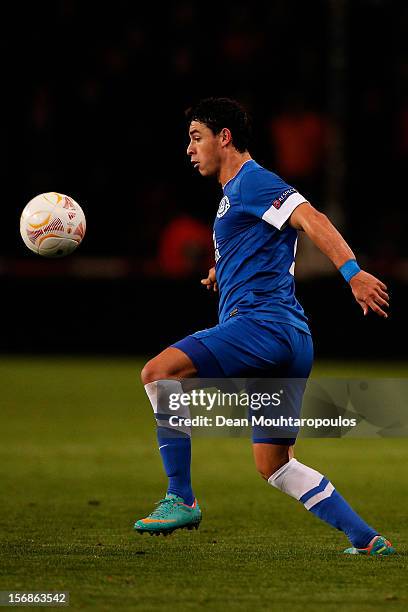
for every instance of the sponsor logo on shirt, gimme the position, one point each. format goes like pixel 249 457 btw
pixel 223 207
pixel 283 197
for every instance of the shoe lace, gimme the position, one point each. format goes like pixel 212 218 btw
pixel 163 508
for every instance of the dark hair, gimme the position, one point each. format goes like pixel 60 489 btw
pixel 219 113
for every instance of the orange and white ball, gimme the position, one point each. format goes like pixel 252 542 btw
pixel 52 225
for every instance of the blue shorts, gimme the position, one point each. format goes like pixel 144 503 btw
pixel 245 346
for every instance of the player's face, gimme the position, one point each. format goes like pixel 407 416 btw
pixel 204 149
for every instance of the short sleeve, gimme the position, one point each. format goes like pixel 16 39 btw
pixel 268 197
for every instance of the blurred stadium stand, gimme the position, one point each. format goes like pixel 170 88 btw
pixel 94 109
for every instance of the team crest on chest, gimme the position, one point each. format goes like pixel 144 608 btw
pixel 223 207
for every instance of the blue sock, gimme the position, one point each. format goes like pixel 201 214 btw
pixel 337 512
pixel 319 496
pixel 176 456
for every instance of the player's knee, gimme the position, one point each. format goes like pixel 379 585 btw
pixel 153 371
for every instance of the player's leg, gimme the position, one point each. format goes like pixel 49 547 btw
pixel 319 496
pixel 277 465
pixel 315 491
pixel 162 377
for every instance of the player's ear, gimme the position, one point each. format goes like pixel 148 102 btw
pixel 226 136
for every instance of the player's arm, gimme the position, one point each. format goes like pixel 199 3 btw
pixel 368 290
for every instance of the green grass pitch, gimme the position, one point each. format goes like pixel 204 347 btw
pixel 78 464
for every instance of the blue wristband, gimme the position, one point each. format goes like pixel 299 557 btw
pixel 349 269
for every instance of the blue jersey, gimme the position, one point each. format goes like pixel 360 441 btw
pixel 255 248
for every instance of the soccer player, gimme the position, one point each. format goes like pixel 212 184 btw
pixel 262 327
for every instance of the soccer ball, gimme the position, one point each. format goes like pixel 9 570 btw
pixel 52 225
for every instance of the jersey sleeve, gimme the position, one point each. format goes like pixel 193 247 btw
pixel 268 197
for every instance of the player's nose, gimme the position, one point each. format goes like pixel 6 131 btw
pixel 189 149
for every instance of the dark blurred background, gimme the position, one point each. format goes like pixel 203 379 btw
pixel 93 107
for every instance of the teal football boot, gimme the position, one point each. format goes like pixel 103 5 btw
pixel 379 546
pixel 171 513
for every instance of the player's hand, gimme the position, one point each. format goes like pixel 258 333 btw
pixel 370 293
pixel 210 281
